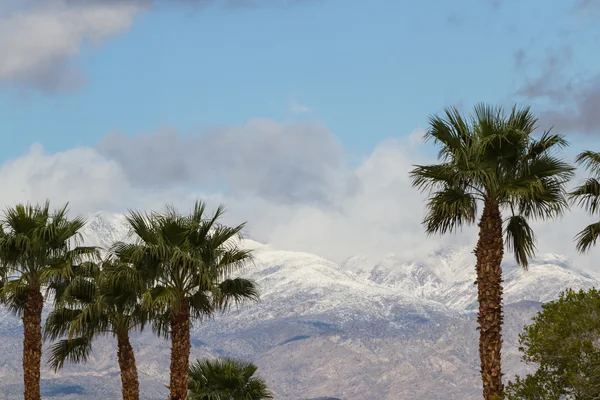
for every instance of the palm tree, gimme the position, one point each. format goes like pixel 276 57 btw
pixel 36 247
pixel 492 160
pixel 226 380
pixel 89 306
pixel 587 195
pixel 187 259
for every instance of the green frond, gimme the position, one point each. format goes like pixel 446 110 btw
pixel 522 119
pixel 590 160
pixel 141 225
pixel 588 237
pixel 124 277
pixel 87 269
pixel 488 124
pixel 535 198
pixel 161 298
pixel 216 216
pixel 80 290
pixel 235 291
pixel 537 187
pixel 546 203
pixel 453 133
pixel 93 318
pixel 198 211
pixel 161 324
pixel 449 210
pixel 55 271
pixel 13 294
pixel 587 195
pixel 82 254
pixel 520 239
pixel 546 144
pixel 432 177
pixel 59 321
pixel 545 166
pixel 201 304
pixel 232 260
pixel 137 319
pixel 74 350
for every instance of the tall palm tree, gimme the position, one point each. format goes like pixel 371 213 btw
pixel 587 195
pixel 37 246
pixel 89 306
pixel 188 260
pixel 226 380
pixel 492 160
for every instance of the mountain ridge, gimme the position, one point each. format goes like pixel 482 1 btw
pixel 361 329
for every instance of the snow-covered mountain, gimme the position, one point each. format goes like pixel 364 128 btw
pixel 366 328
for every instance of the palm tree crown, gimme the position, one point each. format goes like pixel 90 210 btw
pixel 185 262
pixel 587 195
pixel 495 159
pixel 38 246
pixel 226 380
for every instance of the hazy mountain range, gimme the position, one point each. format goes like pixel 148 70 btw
pixel 362 329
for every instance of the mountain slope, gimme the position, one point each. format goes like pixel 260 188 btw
pixel 364 329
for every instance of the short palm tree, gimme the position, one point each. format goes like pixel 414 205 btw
pixel 89 306
pixel 493 160
pixel 226 380
pixel 37 246
pixel 587 195
pixel 188 260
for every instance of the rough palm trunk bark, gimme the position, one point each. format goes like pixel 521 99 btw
pixel 129 376
pixel 489 252
pixel 32 343
pixel 180 354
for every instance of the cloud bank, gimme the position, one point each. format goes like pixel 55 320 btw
pixel 291 182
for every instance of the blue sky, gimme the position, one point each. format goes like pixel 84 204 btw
pixel 367 70
pixel 302 116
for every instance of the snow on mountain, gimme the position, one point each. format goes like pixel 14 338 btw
pixel 448 277
pixel 103 229
pixel 443 279
pixel 367 328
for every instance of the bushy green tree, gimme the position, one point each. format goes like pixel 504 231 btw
pixel 564 342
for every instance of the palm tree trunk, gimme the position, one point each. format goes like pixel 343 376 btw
pixel 129 376
pixel 489 252
pixel 32 343
pixel 180 354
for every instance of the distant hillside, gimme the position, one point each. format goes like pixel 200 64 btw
pixel 366 329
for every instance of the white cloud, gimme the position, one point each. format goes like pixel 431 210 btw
pixel 37 39
pixel 382 213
